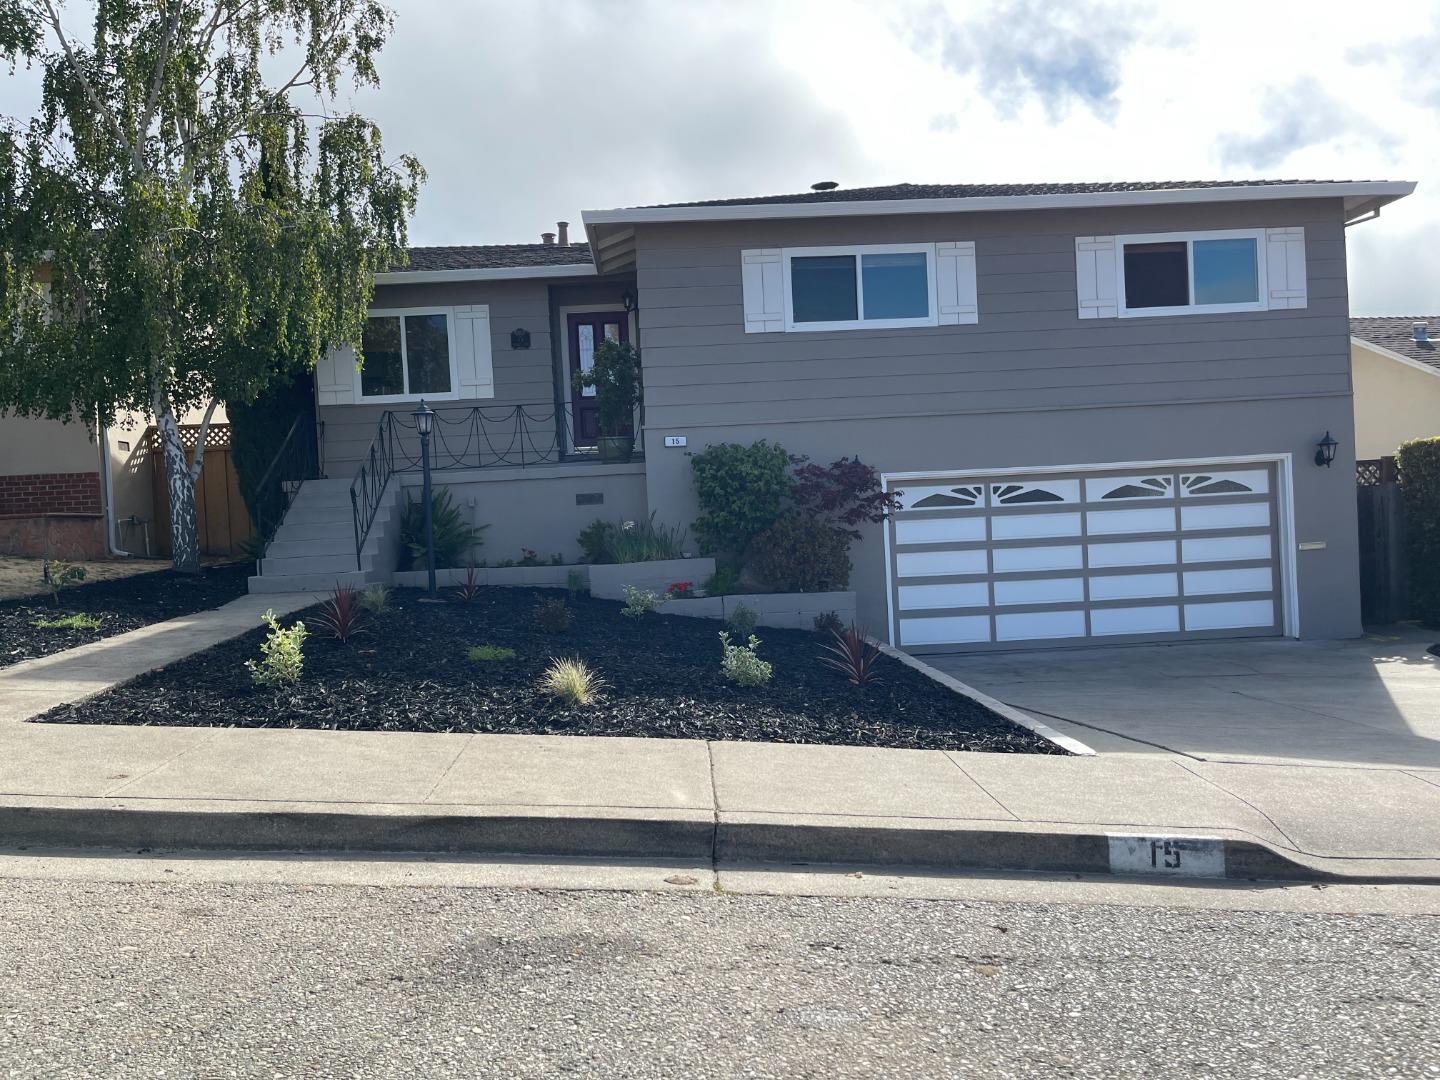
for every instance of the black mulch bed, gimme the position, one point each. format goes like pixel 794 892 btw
pixel 410 672
pixel 121 604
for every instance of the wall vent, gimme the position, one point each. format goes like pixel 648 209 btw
pixel 589 498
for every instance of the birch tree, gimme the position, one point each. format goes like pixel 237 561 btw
pixel 188 213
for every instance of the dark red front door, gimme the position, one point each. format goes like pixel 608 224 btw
pixel 586 330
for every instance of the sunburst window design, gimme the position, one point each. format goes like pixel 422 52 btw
pixel 1205 484
pixel 1152 487
pixel 1019 494
pixel 969 495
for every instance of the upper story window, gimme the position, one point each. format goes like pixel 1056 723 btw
pixel 1191 273
pixel 408 355
pixel 849 288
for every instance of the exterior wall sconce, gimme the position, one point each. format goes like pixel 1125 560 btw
pixel 629 299
pixel 1325 450
pixel 520 339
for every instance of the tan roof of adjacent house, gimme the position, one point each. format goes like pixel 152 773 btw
pixel 496 256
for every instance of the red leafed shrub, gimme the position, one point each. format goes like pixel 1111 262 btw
pixel 680 590
pixel 341 615
pixel 802 554
pixel 853 656
pixel 843 493
pixel 469 590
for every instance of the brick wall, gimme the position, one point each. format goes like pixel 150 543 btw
pixel 50 493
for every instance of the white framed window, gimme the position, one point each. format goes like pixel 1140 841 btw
pixel 874 286
pixel 1191 273
pixel 409 354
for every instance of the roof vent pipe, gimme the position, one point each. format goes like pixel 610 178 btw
pixel 564 228
pixel 547 238
pixel 1420 332
pixel 824 185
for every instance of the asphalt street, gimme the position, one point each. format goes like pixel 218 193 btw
pixel 211 979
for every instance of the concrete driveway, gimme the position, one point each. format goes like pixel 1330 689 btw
pixel 1371 703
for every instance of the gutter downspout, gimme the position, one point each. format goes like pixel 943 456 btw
pixel 107 487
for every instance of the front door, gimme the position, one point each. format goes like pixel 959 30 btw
pixel 586 330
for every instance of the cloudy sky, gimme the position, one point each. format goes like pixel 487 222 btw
pixel 525 111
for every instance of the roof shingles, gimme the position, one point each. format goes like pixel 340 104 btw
pixel 1397 333
pixel 496 256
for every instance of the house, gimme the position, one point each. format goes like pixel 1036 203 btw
pixel 72 491
pixel 1395 366
pixel 1103 404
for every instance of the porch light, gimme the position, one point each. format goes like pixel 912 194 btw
pixel 424 417
pixel 629 299
pixel 1325 450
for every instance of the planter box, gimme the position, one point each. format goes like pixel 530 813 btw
pixel 793 611
pixel 609 581
pixel 544 577
pixel 697 607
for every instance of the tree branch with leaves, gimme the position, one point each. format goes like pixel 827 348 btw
pixel 175 230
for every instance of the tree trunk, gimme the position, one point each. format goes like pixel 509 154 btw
pixel 184 527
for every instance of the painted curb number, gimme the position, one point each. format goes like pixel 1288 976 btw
pixel 1171 856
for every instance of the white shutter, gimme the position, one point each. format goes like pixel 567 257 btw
pixel 1285 268
pixel 955 283
pixel 1095 277
pixel 474 361
pixel 764 290
pixel 335 377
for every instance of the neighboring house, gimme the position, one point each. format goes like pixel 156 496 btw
pixel 1395 366
pixel 1102 402
pixel 61 496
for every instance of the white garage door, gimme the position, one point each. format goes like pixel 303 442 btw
pixel 1086 557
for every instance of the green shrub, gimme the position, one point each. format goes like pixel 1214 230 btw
pixel 595 540
pixel 572 682
pixel 802 554
pixel 61 575
pixel 575 583
pixel 723 582
pixel 740 665
pixel 1419 468
pixel 742 621
pixel 615 374
pixel 631 541
pixel 281 659
pixel 551 615
pixel 489 653
pixel 78 621
pixel 828 622
pixel 454 536
pixel 741 490
pixel 640 602
pixel 376 599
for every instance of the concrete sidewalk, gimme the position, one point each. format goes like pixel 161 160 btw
pixel 34 686
pixel 265 789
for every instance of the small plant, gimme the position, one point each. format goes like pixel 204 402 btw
pixel 853 656
pixel 631 541
pixel 740 665
pixel 376 599
pixel 595 540
pixel 571 681
pixel 489 654
pixel 742 621
pixel 557 559
pixel 60 575
pixel 615 375
pixel 640 602
pixel 504 564
pixel 529 557
pixel 723 582
pixel 802 554
pixel 455 537
pixel 680 590
pixel 281 659
pixel 78 621
pixel 342 614
pixel 575 583
pixel 827 622
pixel 469 590
pixel 551 615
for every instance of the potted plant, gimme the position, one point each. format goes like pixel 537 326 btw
pixel 616 378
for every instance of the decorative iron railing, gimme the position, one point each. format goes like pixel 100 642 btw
pixel 297 460
pixel 479 437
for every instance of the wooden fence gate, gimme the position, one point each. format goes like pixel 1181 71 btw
pixel 1384 581
pixel 222 519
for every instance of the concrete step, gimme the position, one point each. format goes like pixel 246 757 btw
pixel 319 515
pixel 307 564
pixel 339 500
pixel 285 546
pixel 316 530
pixel 312 583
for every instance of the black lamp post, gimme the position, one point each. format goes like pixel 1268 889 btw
pixel 1325 450
pixel 424 418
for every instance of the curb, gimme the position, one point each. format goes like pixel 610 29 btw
pixel 684 835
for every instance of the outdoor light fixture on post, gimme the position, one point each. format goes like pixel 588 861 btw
pixel 628 298
pixel 424 418
pixel 1325 450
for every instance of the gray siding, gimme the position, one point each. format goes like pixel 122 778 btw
pixel 1030 384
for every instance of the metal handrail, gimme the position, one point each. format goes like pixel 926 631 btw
pixel 296 461
pixel 478 437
